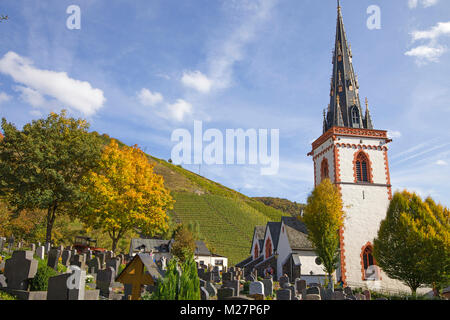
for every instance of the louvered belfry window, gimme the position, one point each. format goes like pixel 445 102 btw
pixel 362 168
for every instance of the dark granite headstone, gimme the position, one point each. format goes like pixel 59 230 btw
pixel 19 269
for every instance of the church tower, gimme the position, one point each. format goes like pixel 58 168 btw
pixel 355 157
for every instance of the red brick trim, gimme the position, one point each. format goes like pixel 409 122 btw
pixel 369 169
pixel 343 265
pixel 337 166
pixel 388 176
pixel 354 132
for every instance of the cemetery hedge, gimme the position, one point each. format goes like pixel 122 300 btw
pixel 44 272
pixel 6 296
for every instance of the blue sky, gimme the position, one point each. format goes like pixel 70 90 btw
pixel 139 69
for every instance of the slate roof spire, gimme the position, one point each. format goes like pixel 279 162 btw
pixel 345 105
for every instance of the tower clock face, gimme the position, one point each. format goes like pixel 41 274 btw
pixel 318 261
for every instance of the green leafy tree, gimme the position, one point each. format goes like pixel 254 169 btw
pixel 413 243
pixel 179 282
pixel 42 165
pixel 184 244
pixel 324 216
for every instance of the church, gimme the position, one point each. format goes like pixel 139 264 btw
pixel 354 156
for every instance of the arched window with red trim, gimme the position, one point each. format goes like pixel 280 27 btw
pixel 268 248
pixel 324 169
pixel 370 268
pixel 362 168
pixel 256 253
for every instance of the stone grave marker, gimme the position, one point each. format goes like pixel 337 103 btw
pixel 65 257
pixel 313 297
pixel 105 279
pixel 2 243
pixel 284 294
pixel 33 247
pixel 360 296
pixel 3 283
pixel 227 276
pixel 93 265
pixel 224 293
pixel 292 288
pixel 313 290
pixel 114 263
pixel 233 284
pixel 47 247
pixel 367 295
pixel 256 287
pixel 300 285
pixel 212 290
pixel 19 269
pixel 284 281
pixel 268 286
pixel 40 252
pixel 53 257
pixel 338 295
pixel 202 283
pixel 204 294
pixel 78 260
pixel 348 291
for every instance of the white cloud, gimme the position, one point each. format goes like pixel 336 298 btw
pixel 412 4
pixel 72 93
pixel 442 28
pixel 197 81
pixel 424 54
pixel 31 96
pixel 394 134
pixel 441 163
pixel 147 98
pixel 179 109
pixel 4 97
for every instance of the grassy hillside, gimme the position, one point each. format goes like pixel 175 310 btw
pixel 226 217
pixel 290 208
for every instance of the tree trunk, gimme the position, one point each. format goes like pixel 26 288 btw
pixel 330 282
pixel 51 215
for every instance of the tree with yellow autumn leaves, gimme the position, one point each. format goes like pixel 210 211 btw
pixel 125 194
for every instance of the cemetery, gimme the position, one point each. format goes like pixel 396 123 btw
pixel 43 272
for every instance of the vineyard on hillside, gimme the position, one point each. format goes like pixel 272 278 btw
pixel 226 223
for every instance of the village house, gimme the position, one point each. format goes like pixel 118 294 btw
pixel 161 248
pixel 283 248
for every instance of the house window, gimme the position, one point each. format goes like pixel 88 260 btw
pixel 219 262
pixel 362 168
pixel 256 252
pixel 324 169
pixel 268 248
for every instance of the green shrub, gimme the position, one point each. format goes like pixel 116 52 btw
pixel 40 280
pixel 6 296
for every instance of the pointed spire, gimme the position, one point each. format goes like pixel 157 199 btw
pixel 344 83
pixel 367 118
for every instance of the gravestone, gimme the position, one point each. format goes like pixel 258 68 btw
pixel 284 281
pixel 202 283
pixel 57 287
pixel 360 296
pixel 68 286
pixel 33 247
pixel 89 255
pixel 77 283
pixel 284 294
pixel 2 243
pixel 10 244
pixel 3 283
pixel 250 278
pixel 47 247
pixel 300 285
pixel 19 269
pixel 327 294
pixel 113 263
pixel 313 290
pixel 204 294
pixel 292 288
pixel 223 293
pixel 109 255
pixel 367 294
pixel 313 297
pixel 78 260
pixel 348 291
pixel 102 257
pixel 227 276
pixel 65 257
pixel 212 290
pixel 105 279
pixel 256 287
pixel 338 295
pixel 233 284
pixel 268 286
pixel 93 265
pixel 53 257
pixel 40 252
